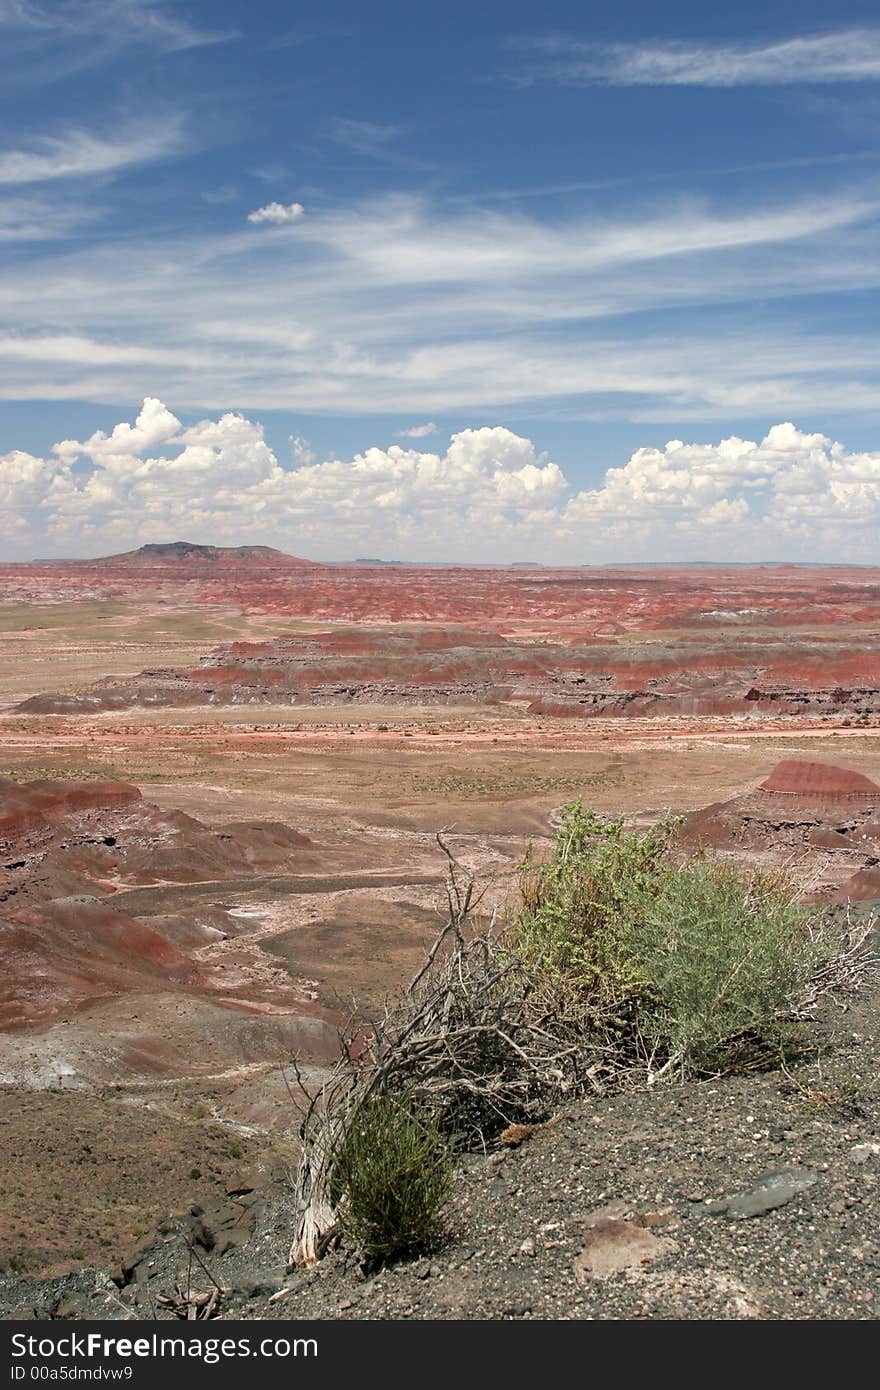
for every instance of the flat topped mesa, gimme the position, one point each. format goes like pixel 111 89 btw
pixel 164 553
pixel 793 777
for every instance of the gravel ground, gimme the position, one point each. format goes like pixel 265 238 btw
pixel 754 1196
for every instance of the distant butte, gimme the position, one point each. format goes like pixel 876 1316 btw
pixel 186 552
pixel 802 806
pixel 793 777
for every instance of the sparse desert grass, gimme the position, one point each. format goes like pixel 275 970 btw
pixel 392 1176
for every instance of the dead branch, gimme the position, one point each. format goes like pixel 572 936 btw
pixel 193 1306
pixel 469 1042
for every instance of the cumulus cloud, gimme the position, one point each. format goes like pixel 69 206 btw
pixel 220 479
pixel 154 425
pixel 277 213
pixel 793 495
pixel 487 496
pixel 25 481
pixel 418 431
pixel 680 479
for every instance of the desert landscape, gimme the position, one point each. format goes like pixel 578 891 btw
pixel 439 669
pixel 223 773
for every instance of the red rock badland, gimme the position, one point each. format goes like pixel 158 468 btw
pixel 688 640
pixel 803 807
pixel 678 675
pixel 821 782
pixel 73 928
pixel 571 603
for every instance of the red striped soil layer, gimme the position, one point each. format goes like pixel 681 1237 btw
pixel 698 641
pixel 574 604
pixel 70 854
pixel 770 641
pixel 793 777
pixel 419 666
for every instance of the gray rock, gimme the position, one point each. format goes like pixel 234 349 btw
pixel 132 1260
pixel 70 1305
pixel 25 1312
pixel 257 1285
pixel 246 1181
pixel 861 1153
pixel 218 1226
pixel 769 1192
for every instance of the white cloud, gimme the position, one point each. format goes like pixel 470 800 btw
pixel 219 479
pixel 398 305
pixel 363 137
pixel 398 241
pixel 277 213
pixel 677 480
pixel 418 431
pixel 301 449
pixel 34 219
pixel 80 154
pixel 846 55
pixel 226 193
pixel 793 495
pixel 106 23
pixel 488 496
pixel 68 348
pixel 154 425
pixel 24 480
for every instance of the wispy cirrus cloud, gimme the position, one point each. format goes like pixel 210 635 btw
pixel 79 153
pixel 364 137
pixel 52 42
pixel 375 141
pixel 844 55
pixel 402 240
pixel 109 22
pixel 27 219
pixel 302 34
pixel 399 305
pixel 216 197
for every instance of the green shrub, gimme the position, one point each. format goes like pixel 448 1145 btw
pixel 727 956
pixel 575 904
pixel 701 959
pixel 391 1177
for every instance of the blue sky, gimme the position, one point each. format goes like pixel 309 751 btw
pixel 558 234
